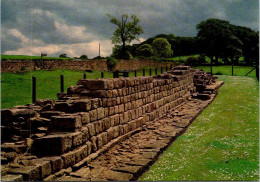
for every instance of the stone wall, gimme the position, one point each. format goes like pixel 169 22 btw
pixel 89 118
pixel 28 65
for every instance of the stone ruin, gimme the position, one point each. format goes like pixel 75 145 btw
pixel 49 137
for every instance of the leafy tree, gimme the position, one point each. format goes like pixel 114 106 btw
pixel 213 37
pixel 126 30
pixel 145 50
pixel 83 57
pixel 162 48
pixel 63 56
pixel 111 63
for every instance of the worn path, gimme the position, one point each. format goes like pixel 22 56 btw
pixel 133 156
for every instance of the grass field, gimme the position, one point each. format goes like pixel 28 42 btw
pixel 221 144
pixel 227 70
pixel 27 57
pixel 16 89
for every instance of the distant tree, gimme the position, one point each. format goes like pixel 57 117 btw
pixel 162 48
pixel 117 51
pixel 145 50
pixel 126 31
pixel 63 56
pixel 99 57
pixel 83 56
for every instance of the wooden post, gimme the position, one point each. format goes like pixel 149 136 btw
pixel 155 71
pixel 61 84
pixel 150 71
pixel 166 68
pixel 33 89
pixel 102 74
pixel 135 73
pixel 84 76
pixel 211 66
pixel 232 70
pixel 161 70
pixel 143 72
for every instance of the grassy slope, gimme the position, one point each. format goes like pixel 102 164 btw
pixel 222 143
pixel 16 89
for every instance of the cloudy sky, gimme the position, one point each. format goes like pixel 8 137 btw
pixel 76 27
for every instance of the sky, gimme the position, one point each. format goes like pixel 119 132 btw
pixel 77 27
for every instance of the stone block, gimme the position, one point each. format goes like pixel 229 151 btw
pixel 94 103
pixel 105 111
pixel 49 114
pixel 91 129
pixel 116 131
pixel 62 106
pixel 106 122
pixel 85 118
pixel 77 139
pixel 10 115
pixel 93 115
pixel 98 84
pixel 45 166
pixel 66 122
pixel 56 163
pixel 100 113
pixel 81 153
pixel 29 173
pixel 94 144
pixel 80 105
pixel 85 134
pixel 110 134
pixel 54 144
pixel 68 159
pixel 12 177
pixel 89 147
pixel 111 111
pixel 99 141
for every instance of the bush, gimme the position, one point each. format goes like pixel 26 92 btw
pixel 111 63
pixel 145 50
pixel 201 60
pixel 192 61
pixel 226 61
pixel 83 57
pixel 63 56
pixel 162 48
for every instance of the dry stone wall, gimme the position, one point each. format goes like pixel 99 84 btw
pixel 28 65
pixel 49 136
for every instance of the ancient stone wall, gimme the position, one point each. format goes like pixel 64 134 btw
pixel 49 136
pixel 28 65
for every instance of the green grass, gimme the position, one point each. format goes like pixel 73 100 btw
pixel 221 144
pixel 227 70
pixel 28 57
pixel 16 89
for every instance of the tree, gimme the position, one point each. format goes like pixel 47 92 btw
pixel 126 31
pixel 83 57
pixel 162 47
pixel 63 56
pixel 213 37
pixel 145 50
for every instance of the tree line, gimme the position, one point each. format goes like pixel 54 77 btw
pixel 216 39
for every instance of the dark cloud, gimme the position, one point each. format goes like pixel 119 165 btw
pixel 55 22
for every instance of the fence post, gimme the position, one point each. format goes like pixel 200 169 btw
pixel 155 71
pixel 150 71
pixel 33 89
pixel 166 68
pixel 161 69
pixel 143 72
pixel 135 73
pixel 61 84
pixel 84 76
pixel 232 70
pixel 102 74
pixel 171 67
pixel 211 66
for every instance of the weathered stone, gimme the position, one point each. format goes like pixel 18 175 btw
pixel 91 129
pixel 9 115
pixel 100 113
pixel 77 139
pixel 84 117
pixel 98 84
pixel 56 163
pixel 12 177
pixel 81 153
pixel 66 122
pixel 54 144
pixel 29 173
pixel 45 166
pixel 68 159
pixel 49 114
pixel 93 115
